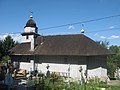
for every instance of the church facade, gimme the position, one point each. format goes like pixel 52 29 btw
pixel 65 54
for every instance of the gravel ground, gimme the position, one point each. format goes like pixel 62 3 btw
pixel 114 82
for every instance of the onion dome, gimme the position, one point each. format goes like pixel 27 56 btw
pixel 31 23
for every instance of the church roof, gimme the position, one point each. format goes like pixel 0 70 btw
pixel 76 44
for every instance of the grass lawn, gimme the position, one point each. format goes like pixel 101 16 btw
pixel 115 87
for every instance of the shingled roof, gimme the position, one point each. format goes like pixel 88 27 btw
pixel 76 44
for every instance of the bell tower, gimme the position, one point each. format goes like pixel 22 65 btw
pixel 30 33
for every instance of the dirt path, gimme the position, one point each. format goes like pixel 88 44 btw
pixel 114 82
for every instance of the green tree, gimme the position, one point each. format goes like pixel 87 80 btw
pixel 5 45
pixel 116 55
pixel 113 61
pixel 5 59
pixel 8 43
pixel 104 43
pixel 1 49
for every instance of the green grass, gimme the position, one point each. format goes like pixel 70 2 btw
pixel 75 86
pixel 59 84
pixel 115 87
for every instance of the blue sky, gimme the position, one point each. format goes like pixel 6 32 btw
pixel 47 13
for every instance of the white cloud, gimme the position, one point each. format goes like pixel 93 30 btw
pixel 71 27
pixel 114 37
pixel 16 37
pixel 111 27
pixel 103 37
pixel 3 36
pixel 96 34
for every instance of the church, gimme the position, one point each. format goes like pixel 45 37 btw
pixel 65 54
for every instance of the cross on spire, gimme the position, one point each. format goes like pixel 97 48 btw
pixel 31 13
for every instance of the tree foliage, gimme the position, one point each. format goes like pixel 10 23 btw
pixel 8 43
pixel 115 58
pixel 104 43
pixel 5 46
pixel 113 61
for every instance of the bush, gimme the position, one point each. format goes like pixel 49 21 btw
pixel 59 84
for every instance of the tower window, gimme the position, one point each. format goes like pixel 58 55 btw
pixel 65 60
pixel 27 37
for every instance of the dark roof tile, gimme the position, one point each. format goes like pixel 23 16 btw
pixel 77 44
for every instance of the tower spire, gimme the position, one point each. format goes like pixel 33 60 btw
pixel 31 14
pixel 82 30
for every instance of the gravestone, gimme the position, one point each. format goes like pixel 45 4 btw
pixel 8 79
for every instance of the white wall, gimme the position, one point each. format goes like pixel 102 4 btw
pixel 95 66
pixel 25 65
pixel 29 29
pixel 58 68
pixel 27 40
pixel 97 72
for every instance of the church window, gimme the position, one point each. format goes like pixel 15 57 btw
pixel 27 37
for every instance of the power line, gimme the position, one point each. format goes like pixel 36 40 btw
pixel 11 33
pixel 104 30
pixel 86 21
